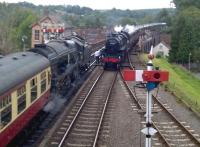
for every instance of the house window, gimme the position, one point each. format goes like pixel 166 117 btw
pixel 37 35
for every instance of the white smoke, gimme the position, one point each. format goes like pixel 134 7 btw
pixel 55 104
pixel 130 29
pixel 118 28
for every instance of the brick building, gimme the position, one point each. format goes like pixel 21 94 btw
pixel 46 29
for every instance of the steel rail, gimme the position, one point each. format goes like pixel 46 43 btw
pixel 131 93
pixel 78 112
pixel 129 60
pixel 104 109
pixel 177 121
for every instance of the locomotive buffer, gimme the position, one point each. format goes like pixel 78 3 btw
pixel 153 78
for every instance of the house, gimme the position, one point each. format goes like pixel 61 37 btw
pixel 161 49
pixel 46 29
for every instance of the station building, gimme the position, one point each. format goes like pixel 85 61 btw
pixel 45 29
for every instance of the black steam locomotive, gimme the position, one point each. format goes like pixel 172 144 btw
pixel 116 48
pixel 118 44
pixel 68 59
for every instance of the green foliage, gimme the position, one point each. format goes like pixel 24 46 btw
pixel 24 29
pixel 159 55
pixel 96 18
pixel 15 23
pixel 164 16
pixel 185 36
pixel 126 20
pixel 182 4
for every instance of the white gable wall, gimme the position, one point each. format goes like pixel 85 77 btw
pixel 161 48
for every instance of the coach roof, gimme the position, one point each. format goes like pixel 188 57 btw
pixel 18 67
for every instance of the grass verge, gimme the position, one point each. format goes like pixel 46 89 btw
pixel 184 85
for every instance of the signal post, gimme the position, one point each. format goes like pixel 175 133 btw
pixel 153 78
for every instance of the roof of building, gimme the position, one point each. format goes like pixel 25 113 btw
pixel 47 18
pixel 162 42
pixel 54 20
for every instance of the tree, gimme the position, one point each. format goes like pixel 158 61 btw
pixel 126 20
pixel 185 36
pixel 182 4
pixel 164 16
pixel 24 29
pixel 15 22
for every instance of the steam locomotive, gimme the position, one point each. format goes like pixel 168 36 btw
pixel 28 77
pixel 118 44
pixel 116 48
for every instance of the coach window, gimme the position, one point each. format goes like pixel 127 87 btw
pixel 21 101
pixel 49 77
pixel 5 111
pixel 43 81
pixel 33 85
pixel 37 35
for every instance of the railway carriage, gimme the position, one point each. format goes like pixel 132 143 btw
pixel 24 90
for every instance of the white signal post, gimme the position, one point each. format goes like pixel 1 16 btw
pixel 149 131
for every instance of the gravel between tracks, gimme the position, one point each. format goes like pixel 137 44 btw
pixel 124 121
pixel 180 110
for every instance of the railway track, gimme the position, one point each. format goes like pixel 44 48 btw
pixel 82 124
pixel 171 131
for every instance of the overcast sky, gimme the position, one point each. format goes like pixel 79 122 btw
pixel 103 4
